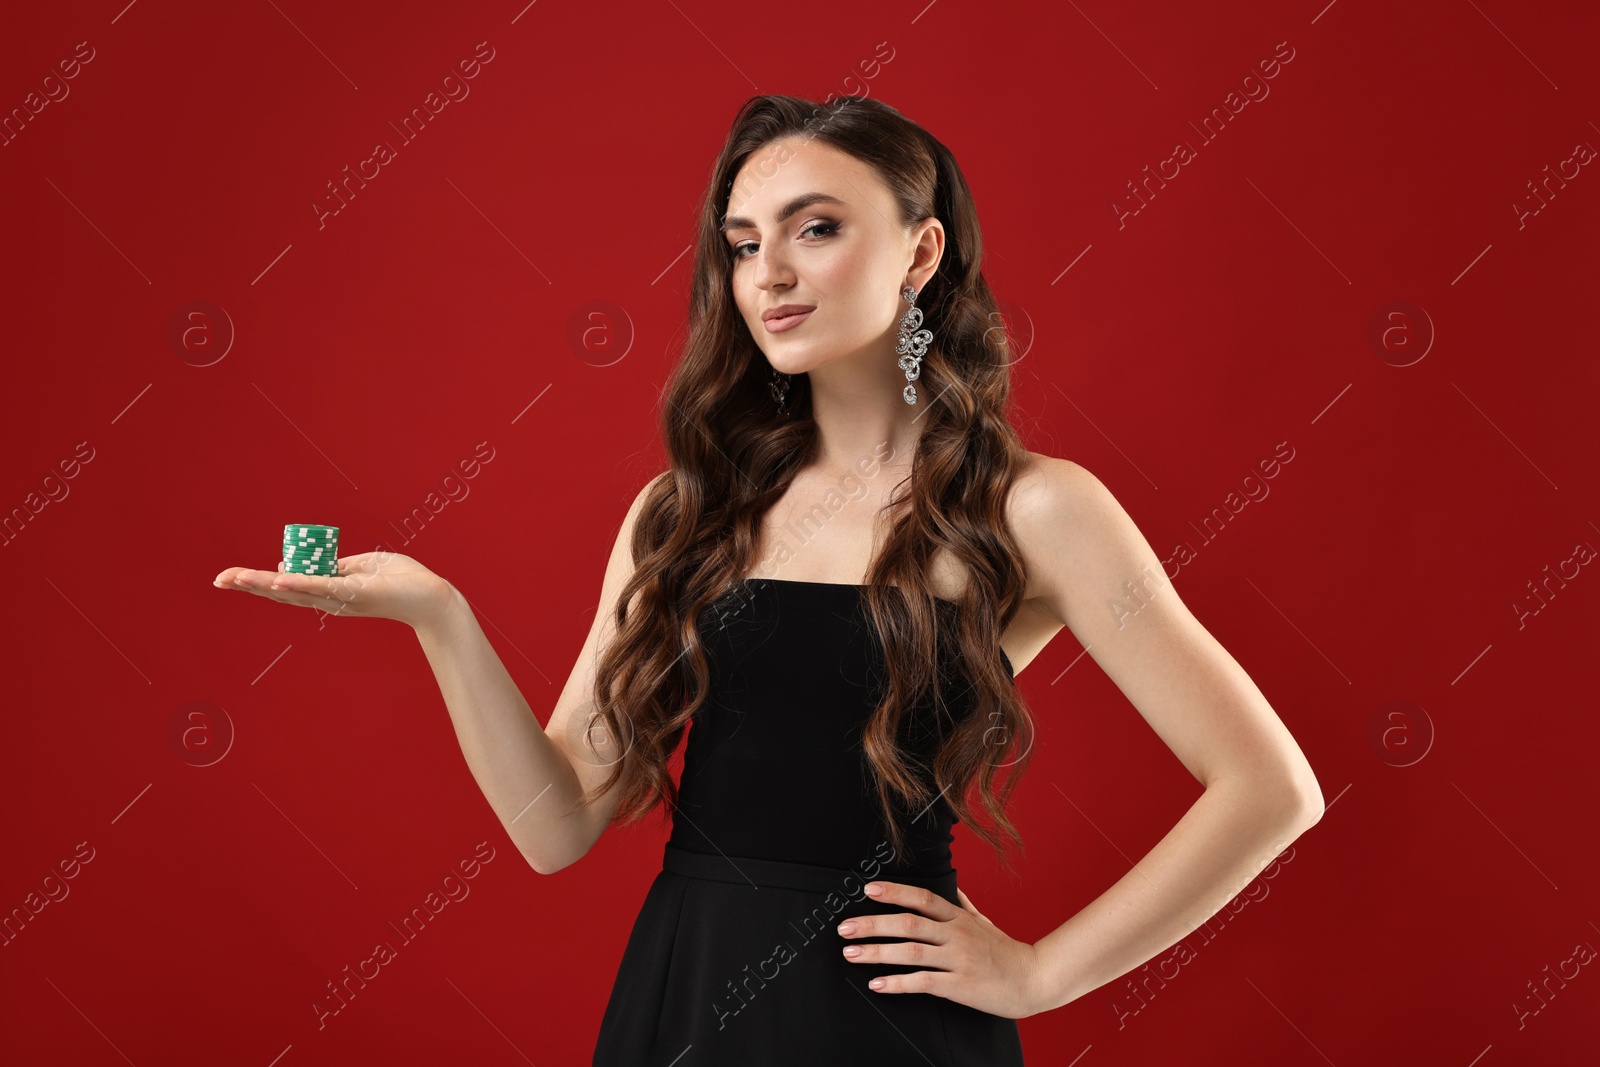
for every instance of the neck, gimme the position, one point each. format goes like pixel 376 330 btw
pixel 861 414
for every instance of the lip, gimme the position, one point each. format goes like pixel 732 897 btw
pixel 786 309
pixel 780 323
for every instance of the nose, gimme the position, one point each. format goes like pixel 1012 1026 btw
pixel 771 268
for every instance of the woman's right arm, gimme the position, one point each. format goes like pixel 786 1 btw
pixel 531 776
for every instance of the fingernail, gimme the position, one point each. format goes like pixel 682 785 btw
pixel 852 951
pixel 875 889
pixel 847 928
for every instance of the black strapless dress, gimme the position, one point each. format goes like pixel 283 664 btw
pixel 735 958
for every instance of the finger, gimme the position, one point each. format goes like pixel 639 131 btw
pixel 897 924
pixel 267 584
pixel 243 577
pixel 935 982
pixel 296 599
pixel 302 591
pixel 326 605
pixel 967 903
pixel 912 953
pixel 238 576
pixel 924 900
pixel 319 586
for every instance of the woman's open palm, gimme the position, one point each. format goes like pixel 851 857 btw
pixel 379 585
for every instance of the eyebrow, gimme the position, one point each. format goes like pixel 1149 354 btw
pixel 804 200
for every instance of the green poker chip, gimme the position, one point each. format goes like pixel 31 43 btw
pixel 310 548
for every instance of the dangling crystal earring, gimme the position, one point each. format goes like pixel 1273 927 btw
pixel 780 389
pixel 911 346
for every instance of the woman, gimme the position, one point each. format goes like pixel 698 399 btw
pixel 834 582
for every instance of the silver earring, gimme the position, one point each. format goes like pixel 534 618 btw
pixel 911 346
pixel 780 389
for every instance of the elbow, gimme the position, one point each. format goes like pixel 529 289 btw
pixel 1309 796
pixel 1302 814
pixel 550 863
pixel 1303 798
pixel 558 847
pixel 1294 790
pixel 1289 797
pixel 546 866
pixel 1313 807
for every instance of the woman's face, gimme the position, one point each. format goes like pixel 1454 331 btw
pixel 842 253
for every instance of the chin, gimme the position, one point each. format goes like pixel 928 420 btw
pixel 786 362
pixel 791 366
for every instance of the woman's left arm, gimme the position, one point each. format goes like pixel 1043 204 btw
pixel 1096 574
pixel 1101 579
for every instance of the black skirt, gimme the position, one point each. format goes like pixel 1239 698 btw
pixel 737 961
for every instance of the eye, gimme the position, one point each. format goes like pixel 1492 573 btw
pixel 828 228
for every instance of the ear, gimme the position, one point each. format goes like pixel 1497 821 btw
pixel 927 252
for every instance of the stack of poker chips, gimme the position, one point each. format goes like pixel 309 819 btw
pixel 309 549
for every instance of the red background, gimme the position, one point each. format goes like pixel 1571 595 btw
pixel 369 356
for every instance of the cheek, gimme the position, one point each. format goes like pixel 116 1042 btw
pixel 858 300
pixel 860 283
pixel 744 295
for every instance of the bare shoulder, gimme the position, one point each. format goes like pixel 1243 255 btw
pixel 1040 496
pixel 1043 483
pixel 1096 574
pixel 1067 524
pixel 1048 492
pixel 644 494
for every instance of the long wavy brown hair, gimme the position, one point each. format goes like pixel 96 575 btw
pixel 732 456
